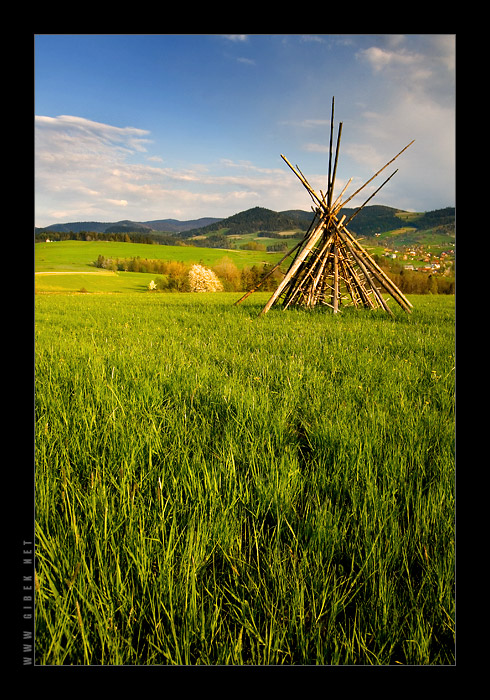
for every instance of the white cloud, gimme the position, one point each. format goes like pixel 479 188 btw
pixel 90 133
pixel 381 59
pixel 414 85
pixel 235 37
pixel 118 202
pixel 306 123
pixel 85 171
pixel 316 148
pixel 313 38
pixel 425 68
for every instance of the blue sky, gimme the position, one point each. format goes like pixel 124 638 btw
pixel 145 127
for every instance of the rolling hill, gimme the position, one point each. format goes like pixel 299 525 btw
pixel 164 225
pixel 371 221
pixel 254 220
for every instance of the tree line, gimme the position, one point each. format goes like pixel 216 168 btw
pixel 413 282
pixel 173 275
pixel 218 240
pixel 120 237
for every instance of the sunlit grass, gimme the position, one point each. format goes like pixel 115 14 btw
pixel 217 488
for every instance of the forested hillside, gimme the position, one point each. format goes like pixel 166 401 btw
pixel 370 221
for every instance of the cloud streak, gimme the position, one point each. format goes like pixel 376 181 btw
pixel 84 171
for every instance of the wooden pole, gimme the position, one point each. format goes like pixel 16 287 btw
pixel 335 302
pixel 337 205
pixel 290 252
pixel 303 280
pixel 330 151
pixel 377 272
pixel 324 259
pixel 305 182
pixel 320 261
pixel 332 184
pixel 376 174
pixel 347 276
pixel 369 198
pixel 366 265
pixel 268 274
pixel 354 285
pixel 302 255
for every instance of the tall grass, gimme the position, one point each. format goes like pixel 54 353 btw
pixel 217 488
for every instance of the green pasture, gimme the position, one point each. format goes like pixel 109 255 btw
pixel 97 282
pixel 214 488
pixel 75 260
pixel 78 256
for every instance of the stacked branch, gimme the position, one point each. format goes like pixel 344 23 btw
pixel 330 267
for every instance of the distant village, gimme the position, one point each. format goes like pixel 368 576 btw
pixel 420 259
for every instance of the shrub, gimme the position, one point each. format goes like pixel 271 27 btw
pixel 229 275
pixel 201 279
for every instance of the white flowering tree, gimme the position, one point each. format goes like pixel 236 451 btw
pixel 201 279
pixel 152 286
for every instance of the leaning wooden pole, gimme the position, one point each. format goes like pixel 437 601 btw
pixel 378 273
pixel 332 183
pixel 315 236
pixel 376 174
pixel 268 274
pixel 329 185
pixel 306 184
pixel 335 300
pixel 368 199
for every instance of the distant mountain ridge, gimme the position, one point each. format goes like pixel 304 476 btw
pixel 165 225
pixel 371 220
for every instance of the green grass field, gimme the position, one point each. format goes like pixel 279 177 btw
pixel 78 256
pixel 220 489
pixel 67 266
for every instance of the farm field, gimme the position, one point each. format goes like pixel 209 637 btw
pixel 67 266
pixel 78 256
pixel 214 488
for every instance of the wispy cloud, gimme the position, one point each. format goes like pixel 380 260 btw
pixel 429 67
pixel 314 38
pixel 235 37
pixel 94 134
pixel 316 148
pixel 85 171
pixel 419 104
pixel 307 123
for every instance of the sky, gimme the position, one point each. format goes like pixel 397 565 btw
pixel 145 127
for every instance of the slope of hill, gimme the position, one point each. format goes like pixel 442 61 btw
pixel 176 226
pixel 371 221
pixel 254 220
pixel 128 227
pixel 164 225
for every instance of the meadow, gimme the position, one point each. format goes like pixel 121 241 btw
pixel 68 266
pixel 214 488
pixel 78 256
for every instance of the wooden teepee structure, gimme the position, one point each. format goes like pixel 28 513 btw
pixel 330 266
